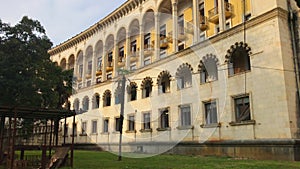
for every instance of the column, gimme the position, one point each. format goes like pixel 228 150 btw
pixel 127 61
pixel 115 59
pixel 84 69
pixel 104 63
pixel 142 48
pixel 196 21
pixel 157 38
pixel 221 11
pixel 175 26
pixel 94 67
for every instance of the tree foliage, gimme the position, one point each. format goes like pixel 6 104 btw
pixel 27 75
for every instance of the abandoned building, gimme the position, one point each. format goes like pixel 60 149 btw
pixel 207 77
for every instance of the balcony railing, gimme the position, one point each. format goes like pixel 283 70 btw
pixel 109 67
pixel 148 50
pixel 203 23
pixel 121 61
pixel 213 14
pixel 163 42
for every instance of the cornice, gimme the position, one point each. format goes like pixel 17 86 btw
pixel 118 13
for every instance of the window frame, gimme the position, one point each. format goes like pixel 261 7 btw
pixel 94 129
pixel 106 125
pixel 164 119
pixel 183 123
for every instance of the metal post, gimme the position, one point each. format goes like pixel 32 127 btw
pixel 65 126
pixel 121 96
pixel 50 140
pixel 1 136
pixel 72 146
pixel 13 141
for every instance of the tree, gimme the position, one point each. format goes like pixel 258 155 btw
pixel 28 78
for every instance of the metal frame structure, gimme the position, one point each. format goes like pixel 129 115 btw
pixel 14 113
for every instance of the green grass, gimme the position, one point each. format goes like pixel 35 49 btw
pixel 99 160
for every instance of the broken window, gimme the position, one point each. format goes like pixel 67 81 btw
pixel 132 91
pixel 242 109
pixel 239 61
pixel 208 69
pixel 106 98
pixel 184 76
pixel 147 87
pixel 164 118
pixel 210 112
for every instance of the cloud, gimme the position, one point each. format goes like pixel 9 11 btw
pixel 62 19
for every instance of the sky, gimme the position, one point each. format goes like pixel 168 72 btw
pixel 62 19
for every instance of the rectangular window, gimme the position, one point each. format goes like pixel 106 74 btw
pixel 146 121
pixel 163 31
pixel 99 63
pixel 164 118
pixel 242 109
pixel 83 128
pixel 109 75
pixel 94 126
pixel 181 24
pixel 80 71
pixel 90 67
pixel 110 57
pixel 131 123
pixel 185 115
pixel 210 112
pixel 118 124
pixel 147 41
pixel 133 66
pixel 133 46
pixel 105 125
pixel 147 61
pixel 121 52
pixel 180 46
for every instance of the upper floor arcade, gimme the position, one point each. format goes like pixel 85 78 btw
pixel 141 32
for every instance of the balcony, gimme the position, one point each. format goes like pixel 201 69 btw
pixel 134 56
pixel 88 75
pixel 109 67
pixel 99 72
pixel 213 14
pixel 164 44
pixel 203 23
pixel 121 61
pixel 148 51
pixel 189 28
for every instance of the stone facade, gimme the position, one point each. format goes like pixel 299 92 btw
pixel 209 87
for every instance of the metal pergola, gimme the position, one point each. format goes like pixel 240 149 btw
pixel 14 113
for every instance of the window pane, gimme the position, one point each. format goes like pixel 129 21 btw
pixel 105 127
pixel 211 113
pixel 185 116
pixel 242 109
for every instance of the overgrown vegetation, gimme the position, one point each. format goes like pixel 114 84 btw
pixel 98 160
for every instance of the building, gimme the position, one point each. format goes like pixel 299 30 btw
pixel 208 77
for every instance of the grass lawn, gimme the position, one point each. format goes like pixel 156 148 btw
pixel 99 160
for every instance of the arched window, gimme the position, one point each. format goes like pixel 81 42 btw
pixel 238 58
pixel 76 105
pixel 184 76
pixel 208 68
pixel 163 81
pixel 132 91
pixel 85 104
pixel 96 101
pixel 107 98
pixel 146 87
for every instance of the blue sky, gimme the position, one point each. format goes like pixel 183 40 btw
pixel 62 19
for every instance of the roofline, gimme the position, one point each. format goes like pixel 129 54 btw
pixel 119 12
